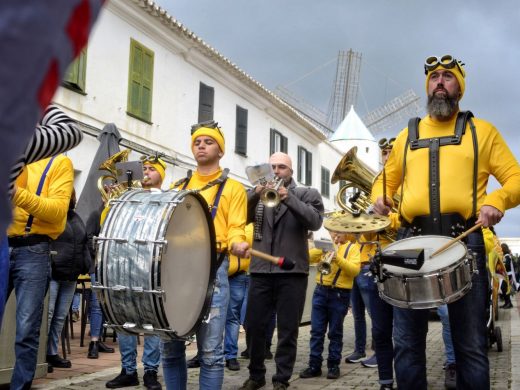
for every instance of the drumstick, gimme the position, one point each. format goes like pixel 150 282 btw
pixel 281 262
pixel 449 244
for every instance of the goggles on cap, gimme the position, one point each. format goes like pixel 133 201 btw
pixel 209 124
pixel 447 61
pixel 154 159
pixel 386 143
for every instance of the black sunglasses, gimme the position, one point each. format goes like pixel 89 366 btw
pixel 209 124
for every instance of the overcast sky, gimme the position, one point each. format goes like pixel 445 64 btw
pixel 278 42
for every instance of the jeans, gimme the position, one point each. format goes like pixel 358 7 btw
pixel 237 294
pixel 286 294
pixel 329 307
pixel 4 274
pixel 360 299
pixel 468 329
pixel 210 349
pixel 96 315
pixel 29 275
pixel 382 326
pixel 76 300
pixel 60 297
pixel 442 312
pixel 128 349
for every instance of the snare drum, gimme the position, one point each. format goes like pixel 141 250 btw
pixel 156 263
pixel 442 279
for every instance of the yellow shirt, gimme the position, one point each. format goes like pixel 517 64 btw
pixel 230 219
pixel 455 171
pixel 348 267
pixel 50 208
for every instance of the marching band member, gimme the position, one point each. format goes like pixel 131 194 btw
pixel 330 303
pixel 228 202
pixel 442 161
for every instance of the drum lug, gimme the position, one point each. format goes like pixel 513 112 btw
pixel 117 288
pixel 116 239
pixel 99 286
pixel 129 325
pixel 140 241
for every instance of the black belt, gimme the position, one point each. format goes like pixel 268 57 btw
pixel 333 288
pixel 450 225
pixel 32 239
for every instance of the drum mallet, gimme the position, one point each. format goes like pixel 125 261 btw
pixel 449 244
pixel 281 262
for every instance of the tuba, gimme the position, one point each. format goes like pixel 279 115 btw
pixel 110 165
pixel 360 176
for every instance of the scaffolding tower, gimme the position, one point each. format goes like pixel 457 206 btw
pixel 346 87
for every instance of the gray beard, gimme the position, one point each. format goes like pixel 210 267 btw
pixel 442 107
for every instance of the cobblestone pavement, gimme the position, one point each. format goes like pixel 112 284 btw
pixel 504 365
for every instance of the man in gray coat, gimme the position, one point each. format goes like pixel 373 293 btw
pixel 280 231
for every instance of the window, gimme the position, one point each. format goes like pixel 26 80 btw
pixel 206 102
pixel 140 82
pixel 304 166
pixel 75 76
pixel 241 132
pixel 278 143
pixel 325 182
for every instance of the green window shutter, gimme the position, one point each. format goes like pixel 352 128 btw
pixel 284 144
pixel 75 76
pixel 308 168
pixel 241 132
pixel 206 102
pixel 325 179
pixel 272 141
pixel 301 163
pixel 140 81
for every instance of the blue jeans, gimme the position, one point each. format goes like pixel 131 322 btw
pixel 468 329
pixel 4 274
pixel 442 312
pixel 29 275
pixel 210 337
pixel 128 349
pixel 237 294
pixel 60 297
pixel 360 300
pixel 382 326
pixel 329 307
pixel 96 315
pixel 76 300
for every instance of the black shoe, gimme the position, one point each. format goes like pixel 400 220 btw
pixel 388 386
pixel 268 354
pixel 93 350
pixel 102 347
pixel 333 372
pixel 310 372
pixel 123 380
pixel 193 362
pixel 245 354
pixel 450 376
pixel 279 386
pixel 150 380
pixel 251 384
pixel 233 364
pixel 57 361
pixel 50 369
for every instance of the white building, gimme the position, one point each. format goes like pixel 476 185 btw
pixel 154 78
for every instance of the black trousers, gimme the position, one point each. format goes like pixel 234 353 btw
pixel 286 294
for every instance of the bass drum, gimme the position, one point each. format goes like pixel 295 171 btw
pixel 441 279
pixel 156 263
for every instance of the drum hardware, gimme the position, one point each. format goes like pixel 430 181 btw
pixel 115 239
pixel 405 258
pixel 144 242
pixel 458 238
pixel 282 262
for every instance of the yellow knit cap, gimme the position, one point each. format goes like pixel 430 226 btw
pixel 160 166
pixel 458 72
pixel 216 134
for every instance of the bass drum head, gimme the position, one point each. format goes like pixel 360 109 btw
pixel 188 266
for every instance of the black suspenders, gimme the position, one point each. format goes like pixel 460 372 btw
pixel 434 144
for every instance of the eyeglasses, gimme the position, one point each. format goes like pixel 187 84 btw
pixel 386 143
pixel 154 159
pixel 447 61
pixel 209 124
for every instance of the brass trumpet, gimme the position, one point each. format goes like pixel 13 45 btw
pixel 269 196
pixel 324 266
